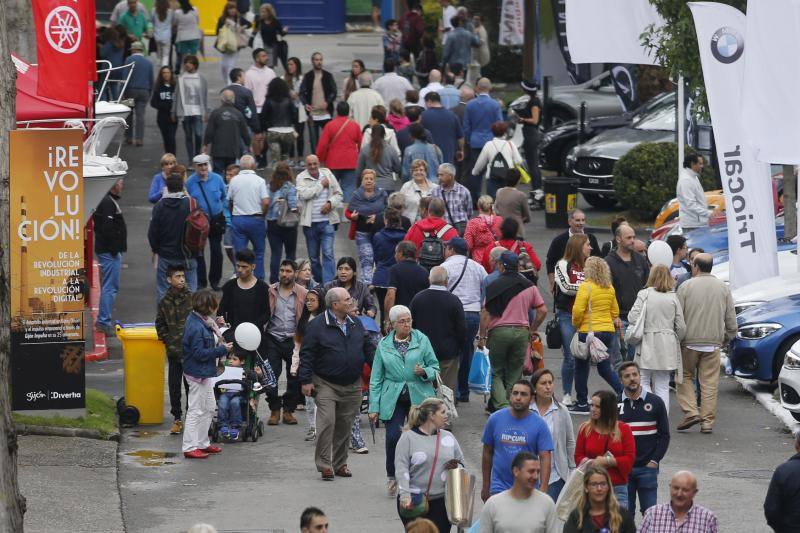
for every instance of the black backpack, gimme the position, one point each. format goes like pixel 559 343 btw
pixel 499 167
pixel 431 251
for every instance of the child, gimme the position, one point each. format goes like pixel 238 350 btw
pixel 357 443
pixel 315 306
pixel 229 404
pixel 397 118
pixel 392 41
pixel 227 240
pixel 173 309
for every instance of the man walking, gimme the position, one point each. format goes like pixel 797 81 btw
pixel 208 189
pixel 577 225
pixel 363 99
pixel 692 204
pixel 110 242
pixel 521 508
pixel 244 100
pixel 321 195
pixel 286 302
pixel 439 314
pixel 445 128
pixel 256 79
pixel 431 225
pixel 681 514
pixel 406 278
pixel 646 414
pixel 166 235
pixel 317 92
pixel 391 85
pixel 505 325
pixel 509 432
pixel 457 199
pixel 226 132
pixel 710 322
pixel 459 45
pixel 139 87
pixel 248 200
pixel 334 350
pixel 479 115
pixel 782 505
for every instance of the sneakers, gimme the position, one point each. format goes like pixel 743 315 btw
pixel 224 432
pixel 391 488
pixel 211 449
pixel 288 418
pixel 311 434
pixel 177 428
pixel 195 454
pixel 566 400
pixel 579 409
pixel 274 418
pixel 234 433
pixel 363 450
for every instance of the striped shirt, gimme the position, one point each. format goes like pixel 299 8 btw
pixel 647 417
pixel 661 519
pixel 319 201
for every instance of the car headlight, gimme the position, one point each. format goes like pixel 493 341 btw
pixel 757 331
pixel 744 306
pixel 792 360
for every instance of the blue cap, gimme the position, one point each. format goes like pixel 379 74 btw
pixel 459 245
pixel 510 260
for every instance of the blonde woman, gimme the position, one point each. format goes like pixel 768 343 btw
pixel 597 508
pixel 483 230
pixel 597 291
pixel 415 189
pixel 235 23
pixel 270 29
pixel 658 352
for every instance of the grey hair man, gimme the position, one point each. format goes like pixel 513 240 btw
pixel 363 99
pixel 334 350
pixel 248 199
pixel 406 277
pixel 458 200
pixel 577 224
pixel 226 133
pixel 494 261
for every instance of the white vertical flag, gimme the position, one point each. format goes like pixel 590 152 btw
pixel 747 185
pixel 609 31
pixel 512 23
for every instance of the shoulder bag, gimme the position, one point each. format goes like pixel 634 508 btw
pixel 287 217
pixel 445 393
pixel 553 334
pixel 461 227
pixel 420 507
pixel 635 332
pixel 217 222
pixel 463 269
pixel 593 348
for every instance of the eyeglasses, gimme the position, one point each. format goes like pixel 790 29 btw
pixel 403 321
pixel 598 484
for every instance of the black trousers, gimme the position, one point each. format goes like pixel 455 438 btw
pixel 314 132
pixel 530 143
pixel 279 352
pixel 214 273
pixel 380 293
pixel 167 129
pixel 437 513
pixel 175 379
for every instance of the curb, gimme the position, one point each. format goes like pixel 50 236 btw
pixel 52 431
pixel 771 404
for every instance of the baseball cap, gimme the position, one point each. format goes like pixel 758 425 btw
pixel 458 244
pixel 137 46
pixel 509 260
pixel 201 158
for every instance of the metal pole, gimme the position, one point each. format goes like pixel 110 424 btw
pixel 548 80
pixel 538 65
pixel 581 122
pixel 681 121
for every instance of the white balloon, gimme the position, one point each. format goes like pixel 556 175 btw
pixel 659 253
pixel 247 336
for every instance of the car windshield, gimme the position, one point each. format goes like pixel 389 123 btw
pixel 661 119
pixel 654 104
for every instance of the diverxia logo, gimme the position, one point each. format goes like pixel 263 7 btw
pixel 727 45
pixel 34 396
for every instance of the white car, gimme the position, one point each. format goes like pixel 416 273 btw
pixel 765 290
pixel 789 381
pixel 787 265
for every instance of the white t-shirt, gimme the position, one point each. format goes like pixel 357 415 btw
pixel 503 513
pixel 246 191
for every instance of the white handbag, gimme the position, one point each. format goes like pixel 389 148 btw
pixel 635 332
pixel 445 393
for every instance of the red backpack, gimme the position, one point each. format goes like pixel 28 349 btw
pixel 196 228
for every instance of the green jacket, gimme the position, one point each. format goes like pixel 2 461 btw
pixel 390 372
pixel 173 309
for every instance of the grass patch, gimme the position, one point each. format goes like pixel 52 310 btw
pixel 603 219
pixel 101 415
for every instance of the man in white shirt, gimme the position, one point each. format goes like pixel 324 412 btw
pixel 391 85
pixel 693 207
pixel 434 84
pixel 257 79
pixel 522 508
pixel 448 12
pixel 362 100
pixel 248 200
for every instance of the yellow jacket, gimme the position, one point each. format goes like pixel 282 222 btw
pixel 604 308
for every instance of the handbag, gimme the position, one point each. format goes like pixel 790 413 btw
pixel 635 332
pixel 552 333
pixel 534 358
pixel 573 488
pixel 524 177
pixel 287 218
pixel 420 506
pixel 593 348
pixel 226 42
pixel 217 222
pixel 445 393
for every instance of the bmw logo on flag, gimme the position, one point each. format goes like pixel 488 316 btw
pixel 727 45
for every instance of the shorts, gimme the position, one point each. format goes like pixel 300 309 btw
pixel 227 239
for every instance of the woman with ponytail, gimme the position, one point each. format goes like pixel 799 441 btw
pixel 424 452
pixel 597 508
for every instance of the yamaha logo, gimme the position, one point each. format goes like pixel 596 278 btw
pixel 727 45
pixel 594 165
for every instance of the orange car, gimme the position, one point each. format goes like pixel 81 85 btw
pixel 715 200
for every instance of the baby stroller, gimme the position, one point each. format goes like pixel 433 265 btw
pixel 252 425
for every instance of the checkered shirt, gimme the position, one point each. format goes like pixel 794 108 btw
pixel 661 519
pixel 459 202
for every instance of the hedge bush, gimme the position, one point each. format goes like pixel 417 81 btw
pixel 645 178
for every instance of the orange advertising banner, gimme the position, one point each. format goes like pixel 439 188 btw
pixel 47 268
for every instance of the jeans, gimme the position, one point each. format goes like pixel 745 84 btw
pixel 394 428
pixel 568 364
pixel 193 133
pixel 507 347
pixel 278 353
pixel 554 489
pixel 229 409
pixel 175 380
pixel 319 238
pixel 347 180
pixel 250 228
pixel 162 284
pixel 167 128
pixel 227 62
pixel 604 369
pixel 366 259
pixel 141 97
pixel 214 272
pixel 110 265
pixel 643 480
pixel 280 237
pixel 473 321
pixel 621 492
pixel 314 131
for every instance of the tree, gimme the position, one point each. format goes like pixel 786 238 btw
pixel 21 41
pixel 12 503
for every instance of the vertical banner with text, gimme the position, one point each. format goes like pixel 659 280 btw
pixel 47 269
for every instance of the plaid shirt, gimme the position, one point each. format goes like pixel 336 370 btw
pixel 661 519
pixel 458 200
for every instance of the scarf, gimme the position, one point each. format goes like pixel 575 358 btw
pixel 211 324
pixel 368 206
pixel 502 290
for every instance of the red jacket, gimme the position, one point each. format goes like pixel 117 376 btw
pixel 513 245
pixel 431 225
pixel 339 152
pixel 595 445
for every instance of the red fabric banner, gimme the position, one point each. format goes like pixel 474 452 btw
pixel 65 48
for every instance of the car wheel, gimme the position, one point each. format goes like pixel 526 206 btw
pixel 777 360
pixel 601 201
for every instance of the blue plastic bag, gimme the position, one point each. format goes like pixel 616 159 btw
pixel 480 373
pixel 475 528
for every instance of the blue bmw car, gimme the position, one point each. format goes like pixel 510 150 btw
pixel 765 333
pixel 714 238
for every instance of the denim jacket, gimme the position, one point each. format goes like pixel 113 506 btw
pixel 199 349
pixel 287 192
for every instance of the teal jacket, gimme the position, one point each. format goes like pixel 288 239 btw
pixel 390 372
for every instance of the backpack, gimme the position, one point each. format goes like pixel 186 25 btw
pixel 499 167
pixel 431 251
pixel 196 228
pixel 525 263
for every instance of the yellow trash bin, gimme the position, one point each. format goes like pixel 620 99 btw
pixel 144 357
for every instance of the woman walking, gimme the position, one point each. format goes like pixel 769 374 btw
pixel 483 230
pixel 278 119
pixel 403 373
pixel 608 443
pixel 294 78
pixel 359 291
pixel 315 306
pixel 187 34
pixel 270 28
pixel 384 243
pixel 382 158
pixel 350 83
pixel 417 188
pixel 202 346
pixel 598 510
pixel 595 309
pixel 161 101
pixel 513 203
pixel 658 351
pixel 162 31
pixel 568 277
pixel 558 421
pixel 365 207
pixel 230 26
pixel 496 175
pixel 282 196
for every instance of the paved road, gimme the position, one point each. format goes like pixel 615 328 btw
pixel 264 486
